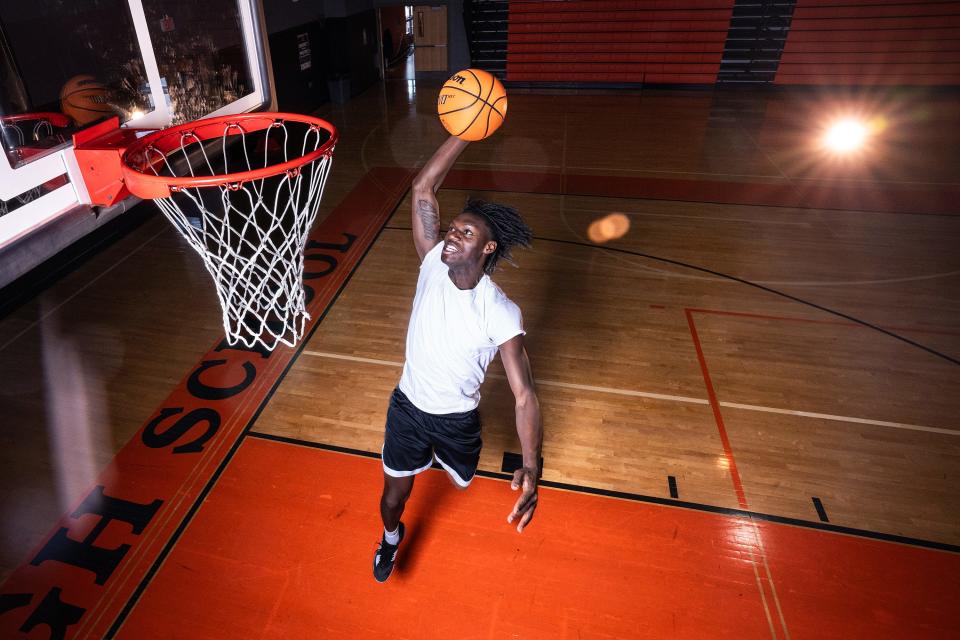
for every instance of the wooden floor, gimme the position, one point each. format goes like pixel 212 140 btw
pixel 778 333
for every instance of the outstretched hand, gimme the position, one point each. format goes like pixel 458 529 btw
pixel 525 479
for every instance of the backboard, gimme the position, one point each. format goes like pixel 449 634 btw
pixel 152 63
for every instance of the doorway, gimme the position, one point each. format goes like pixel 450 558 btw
pixel 397 42
pixel 414 40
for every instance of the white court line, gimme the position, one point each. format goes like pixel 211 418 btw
pixel 662 396
pixel 544 383
pixel 827 416
pixel 340 356
pixel 619 392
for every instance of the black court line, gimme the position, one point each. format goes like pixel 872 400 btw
pixel 637 497
pixel 749 283
pixel 188 517
pixel 821 512
pixel 513 461
pixel 672 486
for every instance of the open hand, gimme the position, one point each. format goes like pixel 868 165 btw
pixel 525 478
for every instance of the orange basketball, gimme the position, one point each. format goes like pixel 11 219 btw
pixel 84 99
pixel 472 104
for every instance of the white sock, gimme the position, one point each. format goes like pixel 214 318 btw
pixel 392 537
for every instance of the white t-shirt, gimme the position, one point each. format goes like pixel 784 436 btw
pixel 453 336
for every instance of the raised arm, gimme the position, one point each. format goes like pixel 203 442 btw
pixel 426 212
pixel 517 366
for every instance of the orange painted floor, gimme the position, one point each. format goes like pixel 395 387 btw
pixel 294 562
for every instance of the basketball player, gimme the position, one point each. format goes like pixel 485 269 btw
pixel 460 320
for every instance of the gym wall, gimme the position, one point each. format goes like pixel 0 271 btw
pixel 318 57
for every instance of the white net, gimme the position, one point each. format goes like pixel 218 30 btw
pixel 250 234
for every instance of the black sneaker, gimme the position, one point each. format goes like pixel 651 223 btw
pixel 385 557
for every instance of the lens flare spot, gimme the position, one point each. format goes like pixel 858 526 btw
pixel 609 227
pixel 846 136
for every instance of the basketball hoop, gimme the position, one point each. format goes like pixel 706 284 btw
pixel 244 191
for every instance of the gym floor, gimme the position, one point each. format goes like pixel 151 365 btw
pixel 749 399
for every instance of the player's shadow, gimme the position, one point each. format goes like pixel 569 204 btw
pixel 431 497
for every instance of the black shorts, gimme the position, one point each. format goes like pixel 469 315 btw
pixel 414 438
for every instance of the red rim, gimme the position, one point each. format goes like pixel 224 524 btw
pixel 149 186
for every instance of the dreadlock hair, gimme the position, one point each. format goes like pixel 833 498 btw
pixel 506 226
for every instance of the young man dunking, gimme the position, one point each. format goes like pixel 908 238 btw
pixel 460 321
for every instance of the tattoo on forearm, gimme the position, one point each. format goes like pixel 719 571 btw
pixel 430 219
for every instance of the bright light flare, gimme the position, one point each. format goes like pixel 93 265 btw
pixel 846 136
pixel 609 227
pixel 136 114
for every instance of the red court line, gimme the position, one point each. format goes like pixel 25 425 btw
pixel 151 485
pixel 282 549
pixel 877 198
pixel 836 584
pixel 715 405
